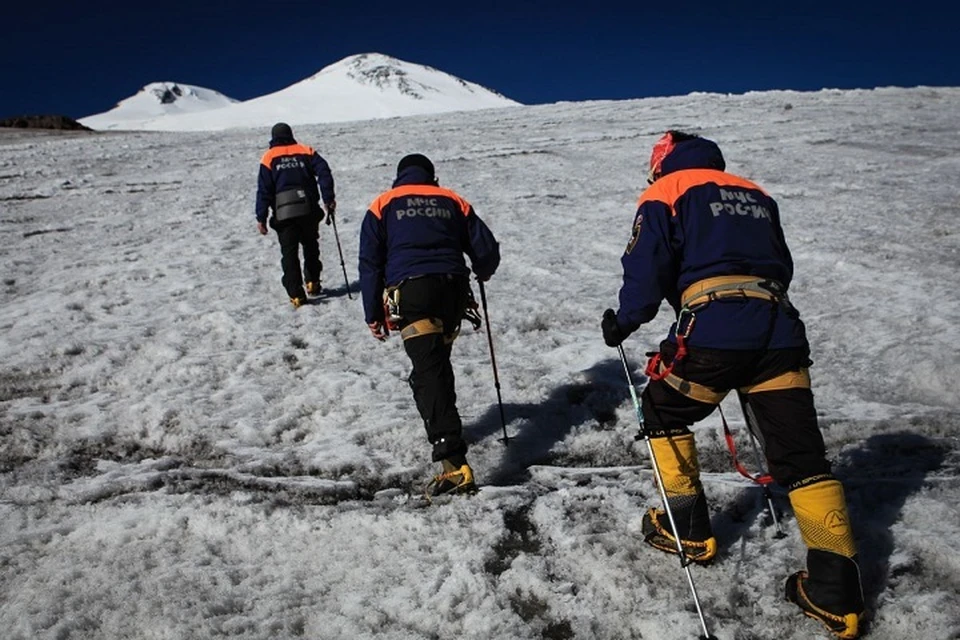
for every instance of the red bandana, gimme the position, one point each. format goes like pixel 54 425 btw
pixel 661 150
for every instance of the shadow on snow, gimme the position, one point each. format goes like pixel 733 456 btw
pixel 535 429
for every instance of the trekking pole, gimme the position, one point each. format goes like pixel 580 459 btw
pixel 336 235
pixel 493 361
pixel 751 419
pixel 684 561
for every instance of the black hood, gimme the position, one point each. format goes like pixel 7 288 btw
pixel 696 153
pixel 281 134
pixel 415 168
pixel 414 175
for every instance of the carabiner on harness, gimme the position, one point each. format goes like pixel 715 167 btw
pixel 391 307
pixel 684 329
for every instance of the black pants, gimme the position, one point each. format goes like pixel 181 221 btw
pixel 786 418
pixel 442 297
pixel 303 231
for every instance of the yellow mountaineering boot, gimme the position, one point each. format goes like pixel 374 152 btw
pixel 456 477
pixel 313 288
pixel 680 470
pixel 799 591
pixel 658 534
pixel 830 589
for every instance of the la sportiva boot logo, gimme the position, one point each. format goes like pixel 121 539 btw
pixel 836 522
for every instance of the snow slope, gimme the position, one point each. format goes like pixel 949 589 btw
pixel 184 455
pixel 359 87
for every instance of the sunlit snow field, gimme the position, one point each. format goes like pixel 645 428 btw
pixel 184 455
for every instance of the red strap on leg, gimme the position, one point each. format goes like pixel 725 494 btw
pixel 763 479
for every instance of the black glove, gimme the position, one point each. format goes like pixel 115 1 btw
pixel 331 209
pixel 612 334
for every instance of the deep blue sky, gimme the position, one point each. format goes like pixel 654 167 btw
pixel 80 58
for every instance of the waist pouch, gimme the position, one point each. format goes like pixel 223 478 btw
pixel 292 203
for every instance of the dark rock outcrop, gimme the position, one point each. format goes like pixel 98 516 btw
pixel 43 122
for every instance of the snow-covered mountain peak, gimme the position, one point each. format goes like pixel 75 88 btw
pixel 159 100
pixel 359 87
pixel 360 63
pixel 184 97
pixel 388 73
pixel 170 92
pixel 384 72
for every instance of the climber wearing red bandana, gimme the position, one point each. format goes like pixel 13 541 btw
pixel 710 243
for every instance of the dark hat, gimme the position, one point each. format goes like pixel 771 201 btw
pixel 281 131
pixel 416 160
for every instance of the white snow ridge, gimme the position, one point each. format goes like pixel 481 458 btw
pixel 360 87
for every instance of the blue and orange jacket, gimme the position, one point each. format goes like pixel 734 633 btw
pixel 418 228
pixel 695 222
pixel 290 165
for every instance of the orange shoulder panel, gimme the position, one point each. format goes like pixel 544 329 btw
pixel 285 150
pixel 422 190
pixel 670 187
pixel 465 207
